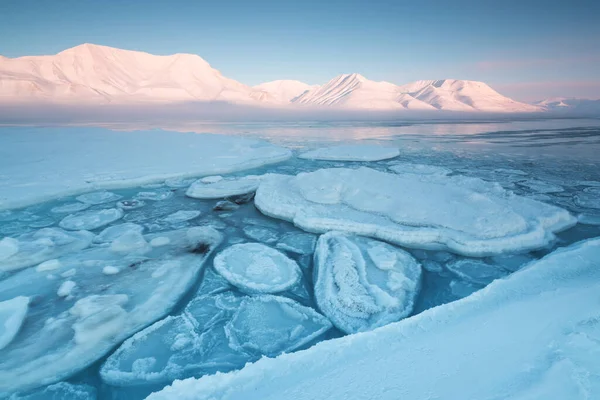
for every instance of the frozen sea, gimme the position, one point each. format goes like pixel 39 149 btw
pixel 133 279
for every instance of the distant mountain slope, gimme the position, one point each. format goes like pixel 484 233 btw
pixel 565 104
pixel 92 73
pixel 284 90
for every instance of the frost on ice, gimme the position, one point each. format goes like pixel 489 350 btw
pixel 464 215
pixel 352 152
pixel 271 325
pixel 220 188
pixel 551 353
pixel 65 335
pixel 35 247
pixel 12 315
pixel 256 268
pixel 362 284
pixel 90 220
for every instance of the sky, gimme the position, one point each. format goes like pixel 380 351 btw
pixel 526 49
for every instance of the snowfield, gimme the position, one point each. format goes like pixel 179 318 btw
pixel 534 335
pixel 38 165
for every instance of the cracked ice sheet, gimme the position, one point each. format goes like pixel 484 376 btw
pixel 465 215
pixel 38 165
pixel 536 332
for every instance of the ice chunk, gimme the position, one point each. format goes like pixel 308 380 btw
pixel 587 200
pixel 42 245
pixel 589 219
pixel 157 195
pixel 181 216
pixel 113 232
pixel 362 284
pixel 271 325
pixel 299 243
pixel 98 197
pixel 59 391
pixel 8 248
pixel 66 288
pixel 352 152
pixel 551 352
pixel 541 186
pixel 256 268
pixel 261 234
pixel 69 208
pixel 211 179
pixel 90 220
pixel 110 270
pixel 12 316
pixel 130 242
pixel 476 271
pixel 178 346
pixel 67 336
pixel 160 241
pixel 222 188
pixel 419 169
pixel 177 183
pixel 48 265
pixel 464 215
pixel 225 205
pixel 213 283
pixel 130 204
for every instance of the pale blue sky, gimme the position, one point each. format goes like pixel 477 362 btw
pixel 527 49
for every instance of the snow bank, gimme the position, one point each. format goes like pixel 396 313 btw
pixel 533 335
pixel 41 164
pixel 465 215
pixel 352 152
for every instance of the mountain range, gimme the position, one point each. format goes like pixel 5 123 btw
pixel 94 74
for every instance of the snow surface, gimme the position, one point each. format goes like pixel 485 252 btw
pixel 12 316
pixel 284 91
pixel 467 216
pixel 362 284
pixel 38 164
pixel 352 152
pixel 256 268
pixel 533 335
pixel 221 188
pixel 64 336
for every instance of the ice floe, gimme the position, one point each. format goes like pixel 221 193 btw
pixel 464 215
pixel 352 152
pixel 36 247
pixel 587 199
pixel 476 271
pixel 221 188
pixel 181 216
pixel 299 243
pixel 551 351
pixel 541 186
pixel 362 284
pixel 113 232
pixel 98 197
pixel 270 325
pixel 256 268
pixel 69 208
pixel 63 336
pixel 261 233
pixel 90 220
pixel 419 169
pixel 59 391
pixel 12 315
pixel 157 195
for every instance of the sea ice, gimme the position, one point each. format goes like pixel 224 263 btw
pixel 261 234
pixel 541 186
pixel 587 200
pixel 299 243
pixel 256 268
pixel 181 216
pixel 550 352
pixel 271 325
pixel 352 152
pixel 12 316
pixel 130 204
pixel 464 215
pixel 44 244
pixel 476 271
pixel 59 391
pixel 98 197
pixel 176 347
pixel 225 205
pixel 221 188
pixel 419 169
pixel 362 284
pixel 70 208
pixel 158 195
pixel 177 183
pixel 113 232
pixel 66 288
pixel 66 335
pixel 90 220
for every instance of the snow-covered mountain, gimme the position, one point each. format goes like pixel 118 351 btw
pixel 93 74
pixel 284 90
pixel 566 104
pixel 101 74
pixel 356 91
